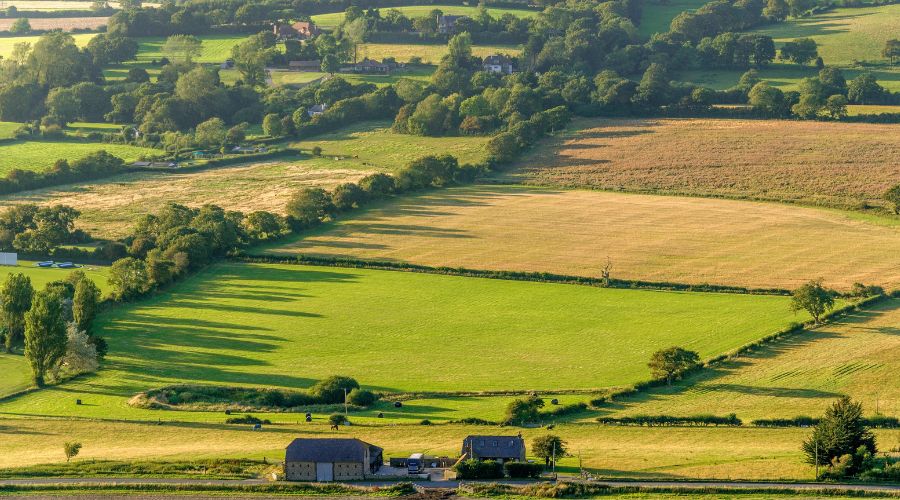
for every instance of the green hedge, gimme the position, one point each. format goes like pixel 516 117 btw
pixel 672 421
pixel 523 470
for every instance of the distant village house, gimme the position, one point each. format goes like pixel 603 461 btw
pixel 316 109
pixel 499 448
pixel 331 459
pixel 498 63
pixel 446 24
pixel 300 30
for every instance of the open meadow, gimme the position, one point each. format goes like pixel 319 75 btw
pixel 289 325
pixel 655 238
pixel 40 155
pixel 300 78
pixel 62 23
pixel 661 453
pixel 332 20
pixel 16 374
pixel 40 276
pixel 7 43
pixel 110 206
pixel 656 16
pixel 799 375
pixel 428 53
pixel 816 163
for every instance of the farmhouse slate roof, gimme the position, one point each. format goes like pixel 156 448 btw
pixel 330 450
pixel 506 447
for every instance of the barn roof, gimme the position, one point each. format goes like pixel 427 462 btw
pixel 495 446
pixel 329 450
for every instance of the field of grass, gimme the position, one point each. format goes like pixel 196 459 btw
pixel 40 276
pixel 110 206
pixel 288 326
pixel 857 110
pixel 430 53
pixel 7 129
pixel 305 77
pixel 818 163
pixel 40 155
pixel 657 16
pixel 59 4
pixel 336 18
pixel 216 49
pixel 7 43
pixel 63 23
pixel 662 453
pixel 656 238
pixel 797 376
pixel 16 374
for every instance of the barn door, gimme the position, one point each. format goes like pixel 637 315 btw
pixel 324 471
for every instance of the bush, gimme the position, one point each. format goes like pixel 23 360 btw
pixel 337 419
pixel 247 419
pixel 523 470
pixel 331 390
pixel 668 420
pixel 362 397
pixel 476 469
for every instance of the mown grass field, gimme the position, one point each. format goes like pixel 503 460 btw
pixel 662 453
pixel 818 163
pixel 110 206
pixel 801 375
pixel 336 18
pixel 215 50
pixel 656 238
pixel 657 16
pixel 8 129
pixel 288 326
pixel 40 276
pixel 41 154
pixel 16 374
pixel 422 73
pixel 429 53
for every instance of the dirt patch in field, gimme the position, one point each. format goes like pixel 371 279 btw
pixel 63 23
pixel 656 238
pixel 833 164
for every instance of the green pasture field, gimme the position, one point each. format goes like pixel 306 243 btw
pixel 7 43
pixel 40 276
pixel 420 73
pixel 657 16
pixel 41 154
pixel 336 18
pixel 645 453
pixel 16 374
pixel 858 110
pixel 112 205
pixel 7 129
pixel 215 50
pixel 288 326
pixel 429 53
pixel 800 375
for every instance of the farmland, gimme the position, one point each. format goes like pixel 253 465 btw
pixel 657 238
pixel 800 375
pixel 657 16
pixel 429 54
pixel 334 19
pixel 42 276
pixel 247 324
pixel 831 164
pixel 63 23
pixel 59 4
pixel 421 73
pixel 110 206
pixel 662 453
pixel 41 154
pixel 7 43
pixel 15 374
pixel 7 129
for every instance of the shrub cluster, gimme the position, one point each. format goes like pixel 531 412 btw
pixel 92 166
pixel 507 146
pixel 877 422
pixel 559 411
pixel 247 419
pixel 474 421
pixel 476 469
pixel 670 421
pixel 523 470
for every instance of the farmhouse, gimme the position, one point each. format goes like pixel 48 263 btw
pixel 332 459
pixel 316 109
pixel 498 63
pixel 447 24
pixel 500 448
pixel 299 30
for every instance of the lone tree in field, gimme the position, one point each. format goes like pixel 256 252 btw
pixel 672 362
pixel 892 196
pixel 814 299
pixel 45 335
pixel 71 450
pixel 15 301
pixel 523 411
pixel 548 447
pixel 840 437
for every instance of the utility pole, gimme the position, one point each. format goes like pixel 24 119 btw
pixel 817 460
pixel 346 412
pixel 554 460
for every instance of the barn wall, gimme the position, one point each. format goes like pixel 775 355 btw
pixel 300 471
pixel 344 471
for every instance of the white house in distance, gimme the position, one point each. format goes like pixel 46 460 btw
pixel 498 63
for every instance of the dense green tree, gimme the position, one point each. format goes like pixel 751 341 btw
pixel 183 48
pixel 347 196
pixel 812 298
pixel 767 98
pixel 836 106
pixel 45 335
pixel 332 390
pixel 654 88
pixel 842 431
pixel 548 447
pixel 892 196
pixel 524 410
pixel 251 57
pixel 833 81
pixel 210 133
pixel 15 300
pixel 672 362
pixel 63 106
pixel 272 125
pixel 800 51
pixel 864 89
pixel 55 61
pixel 85 303
pixel 129 278
pixel 429 117
pixel 308 207
pixel 20 26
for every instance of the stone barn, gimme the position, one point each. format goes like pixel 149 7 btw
pixel 332 459
pixel 499 448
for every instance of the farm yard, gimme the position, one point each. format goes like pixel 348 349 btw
pixel 38 155
pixel 800 375
pixel 655 238
pixel 334 19
pixel 111 206
pixel 813 163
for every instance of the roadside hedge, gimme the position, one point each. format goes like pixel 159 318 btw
pixel 523 470
pixel 671 421
pixel 476 469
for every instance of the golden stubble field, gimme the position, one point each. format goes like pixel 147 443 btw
pixel 832 164
pixel 110 207
pixel 656 238
pixel 62 23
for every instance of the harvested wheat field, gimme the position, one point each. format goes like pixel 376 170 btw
pixel 61 23
pixel 110 207
pixel 658 238
pixel 832 164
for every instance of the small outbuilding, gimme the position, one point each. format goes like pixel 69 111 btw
pixel 499 448
pixel 331 459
